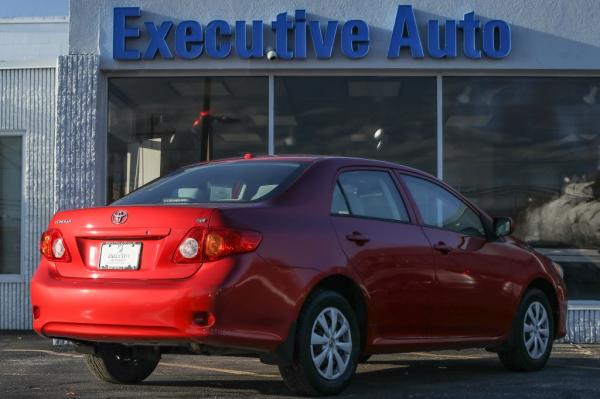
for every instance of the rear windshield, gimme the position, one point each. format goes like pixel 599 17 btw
pixel 221 182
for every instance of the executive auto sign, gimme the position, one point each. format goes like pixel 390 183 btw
pixel 219 39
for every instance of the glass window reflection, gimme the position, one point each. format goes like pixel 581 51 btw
pixel 157 125
pixel 529 148
pixel 388 118
pixel 11 148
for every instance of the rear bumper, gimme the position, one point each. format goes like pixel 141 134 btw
pixel 160 311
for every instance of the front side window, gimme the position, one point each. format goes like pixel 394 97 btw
pixel 221 182
pixel 370 194
pixel 440 208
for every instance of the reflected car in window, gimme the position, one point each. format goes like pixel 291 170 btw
pixel 310 263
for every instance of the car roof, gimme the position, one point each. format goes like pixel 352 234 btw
pixel 340 161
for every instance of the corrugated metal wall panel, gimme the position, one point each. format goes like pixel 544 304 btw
pixel 76 143
pixel 27 105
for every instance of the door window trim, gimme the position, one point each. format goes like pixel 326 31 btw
pixel 400 189
pixel 20 276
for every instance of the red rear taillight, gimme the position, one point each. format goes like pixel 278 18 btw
pixel 201 244
pixel 53 247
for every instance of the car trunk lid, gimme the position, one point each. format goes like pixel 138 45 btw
pixel 154 231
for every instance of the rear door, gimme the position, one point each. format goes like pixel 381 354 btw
pixel 473 274
pixel 391 255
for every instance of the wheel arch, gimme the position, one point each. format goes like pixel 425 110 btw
pixel 548 289
pixel 352 292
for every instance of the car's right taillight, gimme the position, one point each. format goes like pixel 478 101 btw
pixel 53 247
pixel 206 245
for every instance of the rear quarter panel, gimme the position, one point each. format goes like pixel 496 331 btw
pixel 299 248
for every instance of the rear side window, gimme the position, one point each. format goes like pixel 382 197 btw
pixel 338 202
pixel 220 182
pixel 440 208
pixel 371 194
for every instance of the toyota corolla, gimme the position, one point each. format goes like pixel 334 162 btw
pixel 310 263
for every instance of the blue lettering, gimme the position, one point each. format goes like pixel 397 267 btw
pixel 121 32
pixel 241 40
pixel 300 34
pixel 434 46
pixel 355 39
pixel 281 26
pixel 158 40
pixel 214 47
pixel 489 39
pixel 189 37
pixel 323 45
pixel 405 21
pixel 470 25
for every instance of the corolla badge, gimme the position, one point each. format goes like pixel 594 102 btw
pixel 119 217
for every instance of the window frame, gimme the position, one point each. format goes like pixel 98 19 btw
pixel 485 219
pixel 20 276
pixel 409 211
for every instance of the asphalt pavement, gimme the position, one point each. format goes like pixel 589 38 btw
pixel 30 367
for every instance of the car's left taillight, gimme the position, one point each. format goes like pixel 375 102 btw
pixel 53 247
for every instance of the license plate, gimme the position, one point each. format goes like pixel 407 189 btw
pixel 120 255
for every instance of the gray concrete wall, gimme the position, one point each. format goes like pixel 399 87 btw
pixel 27 106
pixel 546 34
pixel 78 176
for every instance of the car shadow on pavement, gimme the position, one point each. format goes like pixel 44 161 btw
pixel 456 378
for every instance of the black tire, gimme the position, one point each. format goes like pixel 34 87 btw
pixel 515 356
pixel 120 364
pixel 302 375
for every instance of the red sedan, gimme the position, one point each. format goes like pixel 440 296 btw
pixel 310 263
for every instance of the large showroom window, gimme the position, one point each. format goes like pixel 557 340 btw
pixel 389 118
pixel 156 125
pixel 525 147
pixel 529 148
pixel 10 204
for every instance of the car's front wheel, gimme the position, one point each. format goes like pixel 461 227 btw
pixel 121 364
pixel 532 335
pixel 327 346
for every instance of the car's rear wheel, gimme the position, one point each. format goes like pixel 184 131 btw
pixel 121 364
pixel 532 335
pixel 327 346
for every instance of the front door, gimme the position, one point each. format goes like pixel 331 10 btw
pixel 471 272
pixel 391 255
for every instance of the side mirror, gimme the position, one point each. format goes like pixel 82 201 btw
pixel 503 226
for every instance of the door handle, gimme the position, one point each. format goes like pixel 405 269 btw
pixel 443 247
pixel 357 238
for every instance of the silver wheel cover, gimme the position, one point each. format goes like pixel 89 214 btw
pixel 331 343
pixel 536 331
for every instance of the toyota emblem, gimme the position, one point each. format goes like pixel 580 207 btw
pixel 119 217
